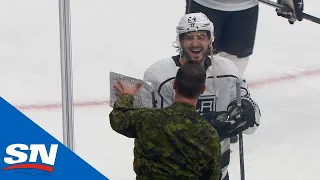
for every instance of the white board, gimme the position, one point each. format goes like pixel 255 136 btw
pixel 143 97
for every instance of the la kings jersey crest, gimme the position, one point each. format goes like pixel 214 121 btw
pixel 206 104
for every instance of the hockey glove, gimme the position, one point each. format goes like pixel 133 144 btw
pixel 231 122
pixel 219 121
pixel 243 119
pixel 292 10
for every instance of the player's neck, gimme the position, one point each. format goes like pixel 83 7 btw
pixel 182 60
pixel 179 98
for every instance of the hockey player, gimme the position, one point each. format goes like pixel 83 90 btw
pixel 235 23
pixel 174 142
pixel 194 42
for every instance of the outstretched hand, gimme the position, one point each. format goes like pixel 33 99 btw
pixel 124 88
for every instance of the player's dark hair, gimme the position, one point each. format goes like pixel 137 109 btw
pixel 190 79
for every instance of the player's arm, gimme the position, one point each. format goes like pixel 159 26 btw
pixel 250 114
pixel 228 124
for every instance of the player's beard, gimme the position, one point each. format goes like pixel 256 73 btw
pixel 201 57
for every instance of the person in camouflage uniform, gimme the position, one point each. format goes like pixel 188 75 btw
pixel 173 142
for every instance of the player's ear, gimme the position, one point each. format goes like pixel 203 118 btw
pixel 203 89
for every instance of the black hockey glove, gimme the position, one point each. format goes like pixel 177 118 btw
pixel 230 123
pixel 292 10
pixel 245 119
pixel 219 121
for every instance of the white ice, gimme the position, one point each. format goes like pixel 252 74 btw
pixel 127 37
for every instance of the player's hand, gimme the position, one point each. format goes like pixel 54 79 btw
pixel 243 119
pixel 292 10
pixel 231 122
pixel 225 126
pixel 124 88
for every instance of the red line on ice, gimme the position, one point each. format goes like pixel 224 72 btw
pixel 254 84
pixel 288 77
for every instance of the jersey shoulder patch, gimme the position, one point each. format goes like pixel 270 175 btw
pixel 162 64
pixel 163 69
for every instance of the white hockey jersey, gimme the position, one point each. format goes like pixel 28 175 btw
pixel 161 75
pixel 228 5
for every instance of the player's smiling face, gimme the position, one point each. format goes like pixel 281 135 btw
pixel 195 45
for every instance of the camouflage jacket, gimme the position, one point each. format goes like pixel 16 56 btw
pixel 170 143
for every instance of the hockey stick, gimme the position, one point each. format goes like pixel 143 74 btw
pixel 279 6
pixel 188 6
pixel 238 93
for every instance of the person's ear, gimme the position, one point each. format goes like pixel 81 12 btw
pixel 203 89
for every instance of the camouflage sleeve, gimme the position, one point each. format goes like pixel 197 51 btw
pixel 124 117
pixel 213 169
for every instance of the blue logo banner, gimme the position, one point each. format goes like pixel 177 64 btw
pixel 29 152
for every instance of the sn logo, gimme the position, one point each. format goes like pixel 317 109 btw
pixel 17 159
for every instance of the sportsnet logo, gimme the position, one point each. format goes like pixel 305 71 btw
pixel 40 156
pixel 35 156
